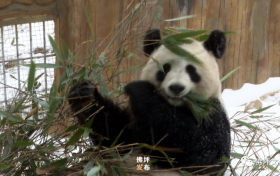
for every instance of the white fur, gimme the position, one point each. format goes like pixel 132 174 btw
pixel 209 84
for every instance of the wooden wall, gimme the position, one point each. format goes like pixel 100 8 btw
pixel 254 47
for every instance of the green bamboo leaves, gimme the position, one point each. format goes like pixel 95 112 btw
pixel 173 42
pixel 31 76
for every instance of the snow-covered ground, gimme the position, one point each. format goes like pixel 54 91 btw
pixel 259 147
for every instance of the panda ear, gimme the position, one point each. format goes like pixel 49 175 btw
pixel 216 43
pixel 151 41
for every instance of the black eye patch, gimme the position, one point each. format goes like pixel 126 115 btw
pixel 166 68
pixel 160 75
pixel 193 74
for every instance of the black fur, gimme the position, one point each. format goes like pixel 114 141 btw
pixel 151 41
pixel 216 43
pixel 108 122
pixel 160 76
pixel 151 119
pixel 195 77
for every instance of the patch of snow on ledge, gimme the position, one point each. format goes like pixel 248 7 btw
pixel 249 92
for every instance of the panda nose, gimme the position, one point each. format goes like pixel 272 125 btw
pixel 176 88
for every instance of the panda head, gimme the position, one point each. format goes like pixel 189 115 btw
pixel 181 76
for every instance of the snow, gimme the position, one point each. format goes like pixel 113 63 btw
pixel 264 142
pixel 26 49
pixel 249 92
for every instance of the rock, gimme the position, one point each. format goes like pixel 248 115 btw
pixel 257 104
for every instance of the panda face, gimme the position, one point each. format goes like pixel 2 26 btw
pixel 181 76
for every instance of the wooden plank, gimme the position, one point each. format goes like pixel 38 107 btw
pixel 273 42
pixel 19 11
pixel 224 25
pixel 258 28
pixel 229 62
pixel 196 24
pixel 243 45
pixel 237 49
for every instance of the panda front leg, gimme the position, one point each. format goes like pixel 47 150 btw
pixel 150 112
pixel 109 119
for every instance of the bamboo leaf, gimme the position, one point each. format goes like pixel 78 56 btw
pixel 116 140
pixel 117 91
pixel 31 76
pixel 183 35
pixel 87 131
pixel 272 167
pixel 12 43
pixel 236 155
pixel 157 16
pixel 93 171
pixel 63 80
pixel 95 66
pixel 229 74
pixel 124 53
pixel 12 76
pixel 43 65
pixel 11 117
pixel 275 148
pixel 60 163
pixel 89 21
pixel 88 166
pixel 229 32
pixel 129 56
pixel 56 49
pixel 81 73
pixel 89 123
pixel 22 144
pixel 72 128
pixel 44 104
pixel 33 167
pixel 19 105
pixel 73 57
pixel 102 85
pixel 173 46
pixel 3 166
pixel 203 37
pixel 101 59
pixel 65 50
pixel 262 109
pixel 257 116
pixel 246 124
pixel 222 171
pixel 180 29
pixel 181 18
pixel 75 137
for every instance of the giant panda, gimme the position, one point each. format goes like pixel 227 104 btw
pixel 156 114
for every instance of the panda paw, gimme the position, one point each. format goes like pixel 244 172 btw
pixel 83 92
